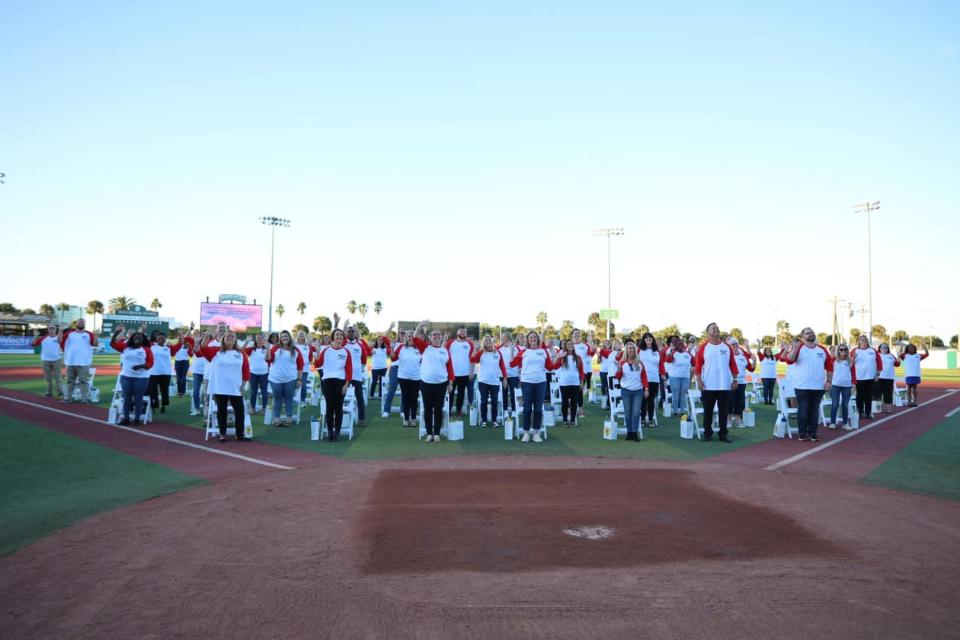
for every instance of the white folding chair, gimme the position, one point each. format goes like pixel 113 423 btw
pixel 825 405
pixel 695 410
pixel 899 392
pixel 785 411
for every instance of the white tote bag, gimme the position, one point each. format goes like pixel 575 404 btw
pixel 508 428
pixel 247 426
pixel 686 430
pixel 609 430
pixel 549 417
pixel 314 429
pixel 749 418
pixel 667 410
pixel 472 416
pixel 455 430
pixel 780 429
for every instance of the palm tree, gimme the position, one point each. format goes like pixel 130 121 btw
pixel 47 310
pixel 93 308
pixel 542 320
pixel 155 304
pixel 301 307
pixel 362 308
pixel 377 308
pixel 120 303
pixel 352 307
pixel 63 306
pixel 280 312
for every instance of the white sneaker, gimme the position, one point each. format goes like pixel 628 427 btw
pixel 194 413
pixel 384 415
pixel 525 437
pixel 436 438
pixel 429 438
pixel 536 437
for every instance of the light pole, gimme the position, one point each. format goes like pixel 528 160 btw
pixel 609 232
pixel 272 222
pixel 867 208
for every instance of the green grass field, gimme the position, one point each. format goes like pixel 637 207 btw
pixel 929 465
pixel 49 481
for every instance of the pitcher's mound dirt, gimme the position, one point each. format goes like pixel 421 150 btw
pixel 521 520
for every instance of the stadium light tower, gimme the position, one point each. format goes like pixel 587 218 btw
pixel 609 232
pixel 867 208
pixel 272 222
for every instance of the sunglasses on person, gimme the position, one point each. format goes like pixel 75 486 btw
pixel 842 349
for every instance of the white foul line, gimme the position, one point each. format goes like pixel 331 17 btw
pixel 952 413
pixel 219 452
pixel 810 452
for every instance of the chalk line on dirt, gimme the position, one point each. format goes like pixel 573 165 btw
pixel 846 436
pixel 141 432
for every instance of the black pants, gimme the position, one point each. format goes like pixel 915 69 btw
pixel 864 397
pixel 237 403
pixel 722 401
pixel 409 389
pixel 459 387
pixel 361 403
pixel 663 393
pixel 159 390
pixel 883 390
pixel 333 394
pixel 808 411
pixel 649 403
pixel 603 383
pixel 510 394
pixel 587 379
pixel 768 384
pixel 180 367
pixel 739 399
pixel 568 402
pixel 432 393
pixel 488 396
pixel 375 378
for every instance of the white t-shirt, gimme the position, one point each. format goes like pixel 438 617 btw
pixel 811 366
pixel 651 362
pixel 569 371
pixel 867 362
pixel 161 361
pixel 130 358
pixel 284 366
pixel 890 363
pixel 460 351
pixel 768 367
pixel 842 373
pixel 632 376
pixel 334 362
pixel 911 364
pixel 682 364
pixel 77 348
pixel 408 359
pixel 258 360
pixel 50 349
pixel 508 354
pixel 227 371
pixel 534 364
pixel 436 365
pixel 379 357
pixel 491 367
pixel 716 366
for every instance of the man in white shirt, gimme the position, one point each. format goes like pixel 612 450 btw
pixel 77 345
pixel 813 367
pixel 51 359
pixel 717 377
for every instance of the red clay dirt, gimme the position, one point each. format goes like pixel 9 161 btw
pixel 521 520
pixel 855 457
pixel 196 462
pixel 9 374
pixel 282 555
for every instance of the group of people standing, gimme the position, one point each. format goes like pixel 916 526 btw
pixel 430 366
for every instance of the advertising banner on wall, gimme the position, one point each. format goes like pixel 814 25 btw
pixel 16 344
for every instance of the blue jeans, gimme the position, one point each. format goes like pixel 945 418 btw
pixel 840 396
pixel 133 390
pixel 632 403
pixel 533 395
pixel 197 383
pixel 488 394
pixel 283 394
pixel 303 386
pixel 808 411
pixel 391 388
pixel 258 383
pixel 181 367
pixel 679 388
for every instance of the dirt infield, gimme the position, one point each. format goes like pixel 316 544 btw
pixel 522 520
pixel 284 555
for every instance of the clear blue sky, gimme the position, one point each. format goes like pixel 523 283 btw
pixel 481 145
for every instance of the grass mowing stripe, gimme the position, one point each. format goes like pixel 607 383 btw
pixel 49 481
pixel 929 465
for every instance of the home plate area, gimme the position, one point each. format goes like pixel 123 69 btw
pixel 523 520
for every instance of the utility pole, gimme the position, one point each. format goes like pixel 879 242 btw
pixel 867 208
pixel 273 223
pixel 609 232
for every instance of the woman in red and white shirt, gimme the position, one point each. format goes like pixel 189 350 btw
pixel 182 351
pixel 866 371
pixel 634 388
pixel 768 373
pixel 335 364
pixel 911 369
pixel 649 354
pixel 286 367
pixel 307 352
pixel 534 362
pixel 491 377
pixel 885 378
pixel 745 362
pixel 227 371
pixel 585 350
pixel 257 351
pixel 813 376
pixel 569 368
pixel 136 358
pixel 681 362
pixel 508 351
pixel 436 380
